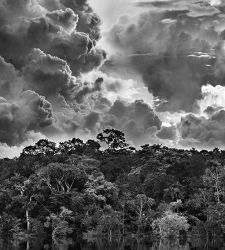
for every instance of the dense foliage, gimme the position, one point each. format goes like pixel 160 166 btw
pixel 106 187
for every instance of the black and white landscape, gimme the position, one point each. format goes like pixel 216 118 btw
pixel 112 124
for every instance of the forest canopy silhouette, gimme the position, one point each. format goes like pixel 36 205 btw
pixel 107 187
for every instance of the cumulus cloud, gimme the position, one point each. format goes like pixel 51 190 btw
pixel 30 112
pixel 65 18
pixel 45 46
pixel 175 47
pixel 206 127
pixel 213 99
pixel 168 133
pixel 55 82
pixel 48 75
pixel 85 90
pixel 67 29
pixel 203 132
pixel 136 119
pixel 10 82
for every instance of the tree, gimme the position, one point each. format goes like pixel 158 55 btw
pixel 170 225
pixel 62 178
pixel 114 139
pixel 110 222
pixel 26 195
pixel 100 190
pixel 9 225
pixel 74 146
pixel 215 222
pixel 141 205
pixel 42 147
pixel 156 183
pixel 92 147
pixel 214 179
pixel 60 223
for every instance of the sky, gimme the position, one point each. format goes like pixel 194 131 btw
pixel 154 69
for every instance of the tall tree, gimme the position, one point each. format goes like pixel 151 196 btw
pixel 114 139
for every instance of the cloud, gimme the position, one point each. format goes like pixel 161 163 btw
pixel 85 90
pixel 213 99
pixel 66 29
pixel 168 133
pixel 30 112
pixel 65 18
pixel 48 75
pixel 45 47
pixel 175 47
pixel 136 119
pixel 91 120
pixel 113 87
pixel 54 84
pixel 207 133
pixel 10 82
pixel 206 127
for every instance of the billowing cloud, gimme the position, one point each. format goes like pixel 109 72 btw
pixel 55 82
pixel 85 90
pixel 213 99
pixel 48 87
pixel 168 133
pixel 48 75
pixel 10 82
pixel 30 112
pixel 66 29
pixel 137 120
pixel 45 46
pixel 203 132
pixel 65 18
pixel 206 127
pixel 175 51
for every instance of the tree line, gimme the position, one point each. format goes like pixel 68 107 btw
pixel 106 187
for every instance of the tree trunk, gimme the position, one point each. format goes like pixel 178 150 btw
pixel 140 216
pixel 28 220
pixel 28 245
pixel 123 220
pixel 217 188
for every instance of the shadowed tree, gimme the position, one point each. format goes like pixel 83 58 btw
pixel 42 147
pixel 114 139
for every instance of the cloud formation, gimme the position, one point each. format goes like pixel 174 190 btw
pixel 203 132
pixel 66 29
pixel 137 120
pixel 45 47
pixel 30 112
pixel 50 86
pixel 205 128
pixel 56 82
pixel 176 47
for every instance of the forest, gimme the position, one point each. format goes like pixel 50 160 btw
pixel 106 187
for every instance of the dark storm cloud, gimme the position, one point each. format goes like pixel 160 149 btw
pixel 85 91
pixel 89 22
pixel 79 52
pixel 45 46
pixel 204 131
pixel 211 110
pixel 193 8
pixel 69 32
pixel 136 119
pixel 67 18
pixel 91 120
pixel 30 112
pixel 48 75
pixel 48 46
pixel 167 133
pixel 174 47
pixel 10 82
